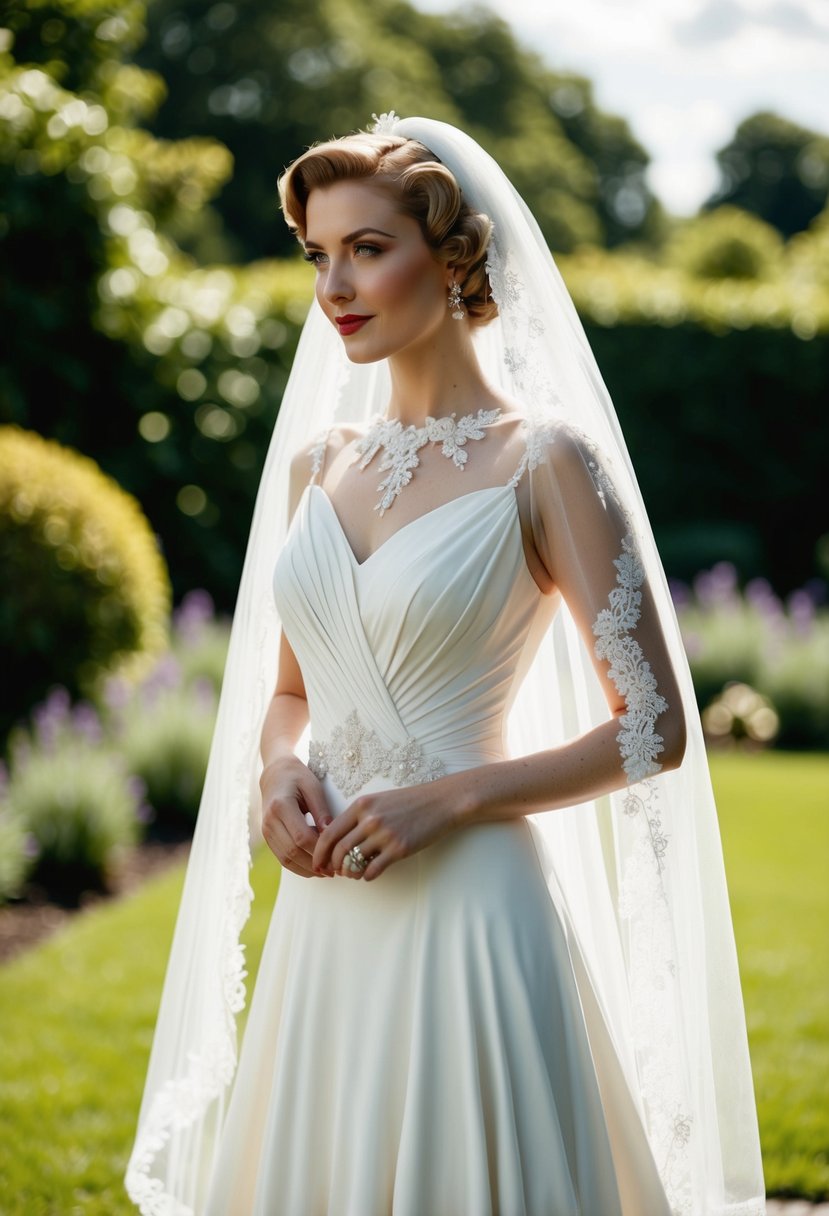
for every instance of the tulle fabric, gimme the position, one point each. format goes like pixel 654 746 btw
pixel 637 876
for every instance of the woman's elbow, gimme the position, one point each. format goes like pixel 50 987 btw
pixel 674 738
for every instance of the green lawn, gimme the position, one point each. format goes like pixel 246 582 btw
pixel 774 816
pixel 76 1014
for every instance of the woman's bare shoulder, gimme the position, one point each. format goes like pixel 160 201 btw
pixel 308 460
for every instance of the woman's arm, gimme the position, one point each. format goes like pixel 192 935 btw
pixel 289 788
pixel 581 534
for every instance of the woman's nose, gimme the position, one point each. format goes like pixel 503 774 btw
pixel 338 284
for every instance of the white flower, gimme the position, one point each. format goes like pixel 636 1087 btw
pixel 384 124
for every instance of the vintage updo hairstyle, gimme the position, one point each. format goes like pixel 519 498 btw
pixel 421 186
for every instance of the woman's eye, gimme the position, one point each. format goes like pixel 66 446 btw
pixel 317 258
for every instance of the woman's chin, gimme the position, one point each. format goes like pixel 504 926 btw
pixel 355 355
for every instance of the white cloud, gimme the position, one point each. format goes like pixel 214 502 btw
pixel 702 122
pixel 684 72
pixel 682 183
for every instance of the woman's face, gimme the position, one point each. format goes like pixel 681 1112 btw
pixel 377 279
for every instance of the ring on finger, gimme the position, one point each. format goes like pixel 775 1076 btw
pixel 354 862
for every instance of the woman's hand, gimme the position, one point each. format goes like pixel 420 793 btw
pixel 388 826
pixel 289 790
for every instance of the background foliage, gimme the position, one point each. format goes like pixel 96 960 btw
pixel 261 77
pixel 776 169
pixel 167 365
pixel 84 587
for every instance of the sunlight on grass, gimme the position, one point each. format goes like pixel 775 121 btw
pixel 774 817
pixel 77 1017
pixel 77 1013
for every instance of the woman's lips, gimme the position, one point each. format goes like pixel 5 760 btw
pixel 350 323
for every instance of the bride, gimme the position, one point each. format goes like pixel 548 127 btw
pixel 518 992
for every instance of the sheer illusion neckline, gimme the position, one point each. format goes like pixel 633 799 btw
pixel 412 523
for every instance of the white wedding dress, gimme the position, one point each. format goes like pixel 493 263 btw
pixel 417 1045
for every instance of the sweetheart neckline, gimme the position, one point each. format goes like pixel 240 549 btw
pixel 360 565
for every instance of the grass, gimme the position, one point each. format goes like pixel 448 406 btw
pixel 774 818
pixel 77 1017
pixel 77 1013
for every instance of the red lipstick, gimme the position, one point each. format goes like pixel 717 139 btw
pixel 350 323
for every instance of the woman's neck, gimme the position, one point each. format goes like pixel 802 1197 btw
pixel 433 382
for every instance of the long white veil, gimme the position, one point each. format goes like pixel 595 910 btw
pixel 637 876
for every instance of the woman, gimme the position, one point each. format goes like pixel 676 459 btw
pixel 519 992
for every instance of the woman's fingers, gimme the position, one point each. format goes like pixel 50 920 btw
pixel 289 792
pixel 289 836
pixel 372 851
pixel 330 837
pixel 357 827
pixel 315 801
pixel 386 827
pixel 287 849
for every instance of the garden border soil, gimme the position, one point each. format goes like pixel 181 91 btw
pixel 29 920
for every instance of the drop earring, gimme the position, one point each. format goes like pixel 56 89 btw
pixel 456 301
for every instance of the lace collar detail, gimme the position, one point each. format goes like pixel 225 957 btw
pixel 400 447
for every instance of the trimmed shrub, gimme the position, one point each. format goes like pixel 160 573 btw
pixel 727 243
pixel 807 253
pixel 85 587
pixel 74 795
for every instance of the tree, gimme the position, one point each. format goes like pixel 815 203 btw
pixel 117 344
pixel 269 80
pixel 776 169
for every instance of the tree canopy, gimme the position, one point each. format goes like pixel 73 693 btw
pixel 776 169
pixel 269 80
pixel 131 335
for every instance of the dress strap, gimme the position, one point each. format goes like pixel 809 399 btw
pixel 317 455
pixel 537 437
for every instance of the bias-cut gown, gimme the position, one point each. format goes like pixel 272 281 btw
pixel 416 1046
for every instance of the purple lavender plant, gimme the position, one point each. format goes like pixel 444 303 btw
pixel 717 587
pixel 191 616
pixel 164 676
pixel 51 717
pixel 801 608
pixel 86 722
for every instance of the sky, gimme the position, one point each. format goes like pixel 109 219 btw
pixel 684 73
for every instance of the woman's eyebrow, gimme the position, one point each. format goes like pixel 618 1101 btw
pixel 352 236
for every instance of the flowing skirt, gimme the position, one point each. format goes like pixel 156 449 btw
pixel 417 1046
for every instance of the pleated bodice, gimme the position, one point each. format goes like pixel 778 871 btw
pixel 425 636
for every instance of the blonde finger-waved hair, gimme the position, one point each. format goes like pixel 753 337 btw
pixel 420 185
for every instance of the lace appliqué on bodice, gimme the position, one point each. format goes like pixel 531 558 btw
pixel 354 754
pixel 400 446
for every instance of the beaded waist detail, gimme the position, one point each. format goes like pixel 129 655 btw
pixel 354 754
